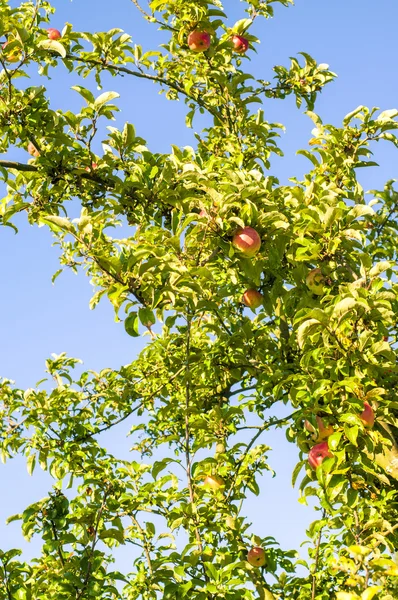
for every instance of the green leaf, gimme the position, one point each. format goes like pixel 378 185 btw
pixel 56 223
pixel 52 45
pixel 131 324
pixel 31 463
pixel 104 98
pixel 371 592
pixel 352 114
pixel 305 330
pixel 351 433
pixel 115 534
pixel 87 95
pixel 380 267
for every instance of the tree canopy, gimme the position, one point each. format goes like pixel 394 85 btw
pixel 255 295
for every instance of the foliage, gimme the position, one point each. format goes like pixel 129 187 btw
pixel 211 367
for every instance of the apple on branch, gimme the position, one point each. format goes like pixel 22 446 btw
pixel 33 151
pixel 199 41
pixel 315 281
pixel 53 34
pixel 247 241
pixel 367 416
pixel 256 557
pixel 93 167
pixel 318 453
pixel 252 298
pixel 240 43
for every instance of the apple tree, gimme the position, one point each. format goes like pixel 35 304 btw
pixel 255 296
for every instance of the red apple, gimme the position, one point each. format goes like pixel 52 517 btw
pixel 33 150
pixel 252 298
pixel 240 44
pixel 256 557
pixel 315 281
pixel 367 416
pixel 53 34
pixel 247 241
pixel 318 453
pixel 199 41
pixel 214 482
pixel 13 55
pixel 93 167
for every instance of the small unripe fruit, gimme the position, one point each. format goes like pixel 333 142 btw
pixel 367 416
pixel 318 453
pixel 247 241
pixel 213 482
pixel 256 557
pixel 315 281
pixel 220 448
pixel 240 43
pixel 252 298
pixel 53 34
pixel 199 41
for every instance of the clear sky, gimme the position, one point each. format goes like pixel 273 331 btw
pixel 357 38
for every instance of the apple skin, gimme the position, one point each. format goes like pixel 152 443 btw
pixel 256 557
pixel 53 34
pixel 323 432
pixel 315 281
pixel 318 453
pixel 33 151
pixel 247 241
pixel 367 416
pixel 93 167
pixel 14 56
pixel 240 43
pixel 199 41
pixel 252 298
pixel 214 482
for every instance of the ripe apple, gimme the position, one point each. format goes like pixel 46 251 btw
pixel 367 416
pixel 247 241
pixel 240 43
pixel 13 55
pixel 315 281
pixel 199 41
pixel 214 482
pixel 33 150
pixel 318 453
pixel 252 298
pixel 256 557
pixel 53 34
pixel 93 167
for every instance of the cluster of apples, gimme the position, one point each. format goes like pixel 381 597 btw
pixel 320 451
pixel 200 41
pixel 15 54
pixel 248 242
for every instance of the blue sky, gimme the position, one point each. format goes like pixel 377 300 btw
pixel 356 38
